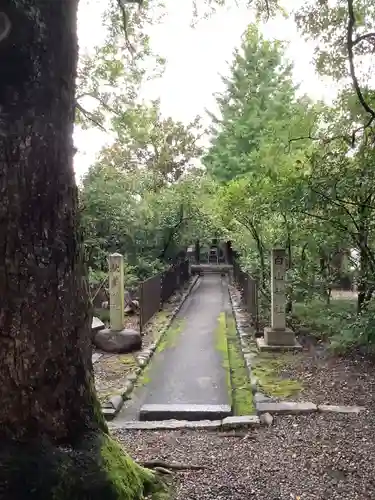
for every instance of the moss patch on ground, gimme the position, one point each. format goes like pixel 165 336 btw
pixel 144 378
pixel 227 342
pixel 170 337
pixel 167 341
pixel 222 347
pixel 268 368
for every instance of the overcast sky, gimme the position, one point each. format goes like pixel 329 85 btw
pixel 195 60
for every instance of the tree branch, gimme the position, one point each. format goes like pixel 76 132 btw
pixel 100 101
pixel 151 464
pixel 349 139
pixel 339 204
pixel 336 224
pixel 350 44
pixel 125 27
pixel 90 116
pixel 367 36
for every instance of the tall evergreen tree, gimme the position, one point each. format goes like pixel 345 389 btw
pixel 256 107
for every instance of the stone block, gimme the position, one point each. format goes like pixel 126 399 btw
pixel 263 346
pixel 340 409
pixel 109 413
pixel 286 408
pixel 116 401
pixel 203 424
pixel 184 412
pixel 279 337
pixel 142 361
pixel 154 425
pixel 242 421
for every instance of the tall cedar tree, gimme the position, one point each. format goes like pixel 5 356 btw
pixel 256 104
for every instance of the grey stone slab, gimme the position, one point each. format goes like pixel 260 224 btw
pixel 184 412
pixel 97 324
pixel 263 346
pixel 168 424
pixel 109 413
pixel 203 424
pixel 286 408
pixel 340 409
pixel 241 421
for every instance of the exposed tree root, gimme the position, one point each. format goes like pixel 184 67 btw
pixel 154 464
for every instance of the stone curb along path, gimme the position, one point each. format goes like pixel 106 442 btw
pixel 248 421
pixel 111 408
pixel 264 405
pixel 243 422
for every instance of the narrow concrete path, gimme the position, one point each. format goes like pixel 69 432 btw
pixel 189 370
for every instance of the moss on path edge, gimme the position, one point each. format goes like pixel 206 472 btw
pixel 239 387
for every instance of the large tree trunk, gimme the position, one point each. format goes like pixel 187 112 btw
pixel 45 349
pixel 48 404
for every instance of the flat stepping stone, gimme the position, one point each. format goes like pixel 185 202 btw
pixel 286 408
pixel 184 412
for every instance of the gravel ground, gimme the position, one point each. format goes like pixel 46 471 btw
pixel 303 458
pixel 333 380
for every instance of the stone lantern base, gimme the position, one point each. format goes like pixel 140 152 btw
pixel 278 340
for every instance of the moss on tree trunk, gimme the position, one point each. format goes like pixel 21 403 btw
pixel 52 434
pixel 95 468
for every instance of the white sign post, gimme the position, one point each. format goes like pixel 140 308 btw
pixel 277 336
pixel 116 292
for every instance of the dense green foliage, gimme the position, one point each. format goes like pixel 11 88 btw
pixel 281 170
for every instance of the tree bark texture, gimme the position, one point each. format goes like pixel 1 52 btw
pixel 53 437
pixel 46 382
